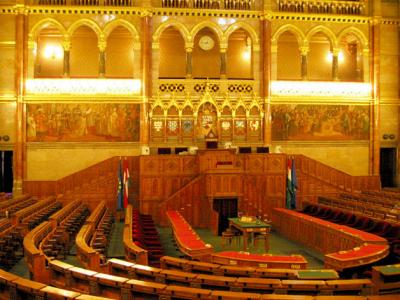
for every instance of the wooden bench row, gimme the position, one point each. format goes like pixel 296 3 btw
pixel 362 207
pixel 133 252
pixel 199 267
pixel 197 286
pixel 217 282
pixel 45 242
pixel 187 239
pixel 15 287
pixel 15 205
pixel 347 247
pixel 89 255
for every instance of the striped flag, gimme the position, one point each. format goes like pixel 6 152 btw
pixel 126 182
pixel 120 191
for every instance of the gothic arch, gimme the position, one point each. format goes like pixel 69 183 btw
pixel 213 26
pixel 85 22
pixel 330 35
pixel 43 24
pixel 120 22
pixel 172 23
pixel 357 33
pixel 250 30
pixel 291 28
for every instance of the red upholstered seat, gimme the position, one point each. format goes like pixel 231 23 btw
pixel 337 216
pixel 348 219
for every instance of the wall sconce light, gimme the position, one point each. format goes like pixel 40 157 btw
pixel 388 136
pixel 53 52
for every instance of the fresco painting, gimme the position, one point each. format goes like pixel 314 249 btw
pixel 320 122
pixel 52 122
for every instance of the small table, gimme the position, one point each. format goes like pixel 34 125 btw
pixel 256 226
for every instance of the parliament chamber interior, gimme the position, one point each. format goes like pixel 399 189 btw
pixel 199 149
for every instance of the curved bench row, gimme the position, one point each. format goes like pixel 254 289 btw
pixel 345 247
pixel 187 239
pixel 182 285
pixel 92 238
pixel 15 287
pixel 132 251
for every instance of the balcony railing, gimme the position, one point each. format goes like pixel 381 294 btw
pixel 211 4
pixel 322 7
pixel 194 4
pixel 121 3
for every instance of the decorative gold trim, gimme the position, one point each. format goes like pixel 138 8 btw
pixel 321 144
pixel 83 99
pixel 92 87
pixel 82 145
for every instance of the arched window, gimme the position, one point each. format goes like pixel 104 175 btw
pixel 320 58
pixel 206 55
pixel 49 54
pixel 239 56
pixel 84 53
pixel 288 57
pixel 119 54
pixel 172 54
pixel 350 59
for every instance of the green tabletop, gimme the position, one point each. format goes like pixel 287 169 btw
pixel 317 274
pixel 255 224
pixel 389 270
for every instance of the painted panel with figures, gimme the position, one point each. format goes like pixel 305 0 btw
pixel 83 122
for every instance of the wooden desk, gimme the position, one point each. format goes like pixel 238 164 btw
pixel 56 293
pixel 259 260
pixel 386 278
pixel 317 274
pixel 249 228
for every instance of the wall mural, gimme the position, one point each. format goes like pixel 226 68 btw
pixel 320 122
pixel 83 122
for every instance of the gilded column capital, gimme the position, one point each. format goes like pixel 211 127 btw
pixel 66 44
pixel 21 9
pixel 335 51
pixel 102 44
pixel 145 13
pixel 304 50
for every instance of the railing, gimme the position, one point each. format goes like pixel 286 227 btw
pixel 211 4
pixel 322 7
pixel 185 86
pixel 316 178
pixel 122 3
pixel 191 4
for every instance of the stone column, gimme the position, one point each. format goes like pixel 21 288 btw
pixel 146 24
pixel 189 61
pixel 256 66
pixel 365 60
pixel 375 39
pixel 21 55
pixel 66 66
pixel 102 56
pixel 31 58
pixel 136 59
pixel 335 64
pixel 222 71
pixel 268 54
pixel 304 62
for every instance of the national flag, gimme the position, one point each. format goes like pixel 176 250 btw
pixel 289 184
pixel 120 191
pixel 293 203
pixel 126 182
